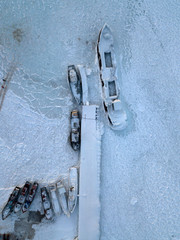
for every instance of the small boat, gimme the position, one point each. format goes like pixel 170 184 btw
pixel 54 199
pixel 108 76
pixel 85 91
pixel 75 130
pixel 30 197
pixel 22 197
pixel 74 80
pixel 46 203
pixel 62 197
pixel 72 189
pixel 8 209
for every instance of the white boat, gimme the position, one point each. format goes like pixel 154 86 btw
pixel 72 189
pixel 62 197
pixel 85 91
pixel 46 203
pixel 108 76
pixel 74 80
pixel 54 199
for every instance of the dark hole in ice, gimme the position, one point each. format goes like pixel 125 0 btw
pixel 5 236
pixel 18 35
pixel 23 230
pixel 9 236
pixel 23 227
pixel 35 217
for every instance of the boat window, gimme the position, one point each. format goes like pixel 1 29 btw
pixel 108 59
pixel 112 89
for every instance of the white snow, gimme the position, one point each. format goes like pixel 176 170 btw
pixel 140 168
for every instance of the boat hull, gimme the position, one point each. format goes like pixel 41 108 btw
pixel 30 197
pixel 22 197
pixel 74 80
pixel 113 108
pixel 46 203
pixel 62 197
pixel 72 189
pixel 8 209
pixel 54 199
pixel 75 130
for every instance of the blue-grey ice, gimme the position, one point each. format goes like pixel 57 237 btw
pixel 140 169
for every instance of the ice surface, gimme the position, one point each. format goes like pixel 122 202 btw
pixel 140 180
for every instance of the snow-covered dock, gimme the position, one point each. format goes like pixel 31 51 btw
pixel 89 180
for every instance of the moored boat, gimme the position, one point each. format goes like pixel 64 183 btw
pixel 75 130
pixel 72 189
pixel 54 199
pixel 22 197
pixel 108 76
pixel 8 209
pixel 74 80
pixel 30 197
pixel 46 203
pixel 62 197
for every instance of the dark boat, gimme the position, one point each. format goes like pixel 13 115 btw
pixel 75 130
pixel 8 209
pixel 22 197
pixel 30 197
pixel 74 80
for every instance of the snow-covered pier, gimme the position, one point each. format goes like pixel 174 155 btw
pixel 89 180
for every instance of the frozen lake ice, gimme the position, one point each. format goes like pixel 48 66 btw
pixel 140 170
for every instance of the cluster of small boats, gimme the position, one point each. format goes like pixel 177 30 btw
pixel 20 199
pixel 56 198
